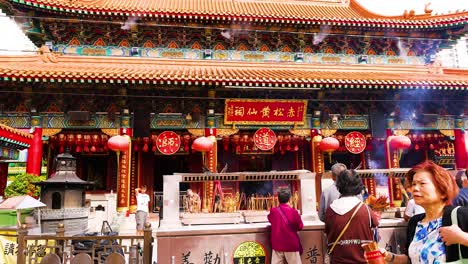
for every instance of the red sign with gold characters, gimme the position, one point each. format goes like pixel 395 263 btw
pixel 257 111
pixel 124 179
pixel 168 142
pixel 355 142
pixel 264 138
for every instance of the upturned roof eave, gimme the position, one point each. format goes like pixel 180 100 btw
pixel 352 15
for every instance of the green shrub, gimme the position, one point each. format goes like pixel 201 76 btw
pixel 22 185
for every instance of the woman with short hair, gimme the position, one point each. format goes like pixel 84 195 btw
pixel 285 223
pixel 349 208
pixel 433 189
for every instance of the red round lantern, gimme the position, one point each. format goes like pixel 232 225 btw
pixel 145 144
pixel 329 144
pixel 71 139
pixel 400 142
pixel 153 142
pixel 104 139
pixel 87 141
pixel 202 144
pixel 118 143
pixel 226 140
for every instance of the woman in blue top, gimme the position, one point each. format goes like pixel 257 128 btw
pixel 433 189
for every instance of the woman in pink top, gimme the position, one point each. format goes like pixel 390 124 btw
pixel 285 222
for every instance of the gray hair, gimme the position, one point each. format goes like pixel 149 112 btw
pixel 284 194
pixel 337 168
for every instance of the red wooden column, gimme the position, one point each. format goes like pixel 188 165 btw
pixel 461 148
pixel 3 177
pixel 136 177
pixel 135 180
pixel 211 161
pixel 317 162
pixel 34 162
pixel 138 169
pixel 388 152
pixel 316 153
pixel 211 157
pixel 124 178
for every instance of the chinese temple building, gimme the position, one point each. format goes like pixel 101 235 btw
pixel 266 80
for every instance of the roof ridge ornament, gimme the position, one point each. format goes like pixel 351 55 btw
pixel 435 67
pixel 47 55
pixel 427 10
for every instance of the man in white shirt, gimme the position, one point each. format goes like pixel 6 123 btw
pixel 142 208
pixel 331 193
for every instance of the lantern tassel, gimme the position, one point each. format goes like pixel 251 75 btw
pixel 203 158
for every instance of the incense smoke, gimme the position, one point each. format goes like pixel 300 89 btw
pixel 130 23
pixel 324 32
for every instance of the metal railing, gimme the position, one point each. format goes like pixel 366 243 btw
pixel 48 214
pixel 135 249
pixel 241 176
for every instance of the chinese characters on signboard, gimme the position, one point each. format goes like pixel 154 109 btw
pixel 249 253
pixel 9 248
pixel 209 258
pixel 264 139
pixel 256 111
pixel 124 179
pixel 355 142
pixel 168 142
pixel 312 255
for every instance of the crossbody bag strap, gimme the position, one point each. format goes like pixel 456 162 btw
pixel 344 229
pixel 370 218
pixel 453 215
pixel 285 219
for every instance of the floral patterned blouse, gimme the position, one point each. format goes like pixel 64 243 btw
pixel 427 245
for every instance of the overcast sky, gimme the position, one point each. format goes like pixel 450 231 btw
pixel 397 7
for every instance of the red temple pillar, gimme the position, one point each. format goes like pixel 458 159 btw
pixel 388 152
pixel 211 161
pixel 211 156
pixel 124 192
pixel 317 164
pixel 135 181
pixel 3 177
pixel 34 162
pixel 461 149
pixel 316 153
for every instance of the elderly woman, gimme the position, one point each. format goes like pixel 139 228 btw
pixel 344 240
pixel 433 189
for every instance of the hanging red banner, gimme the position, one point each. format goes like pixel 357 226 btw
pixel 355 142
pixel 265 138
pixel 168 142
pixel 123 182
pixel 257 111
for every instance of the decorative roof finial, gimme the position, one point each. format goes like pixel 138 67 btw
pixel 427 11
pixel 47 55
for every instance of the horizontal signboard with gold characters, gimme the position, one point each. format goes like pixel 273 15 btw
pixel 265 112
